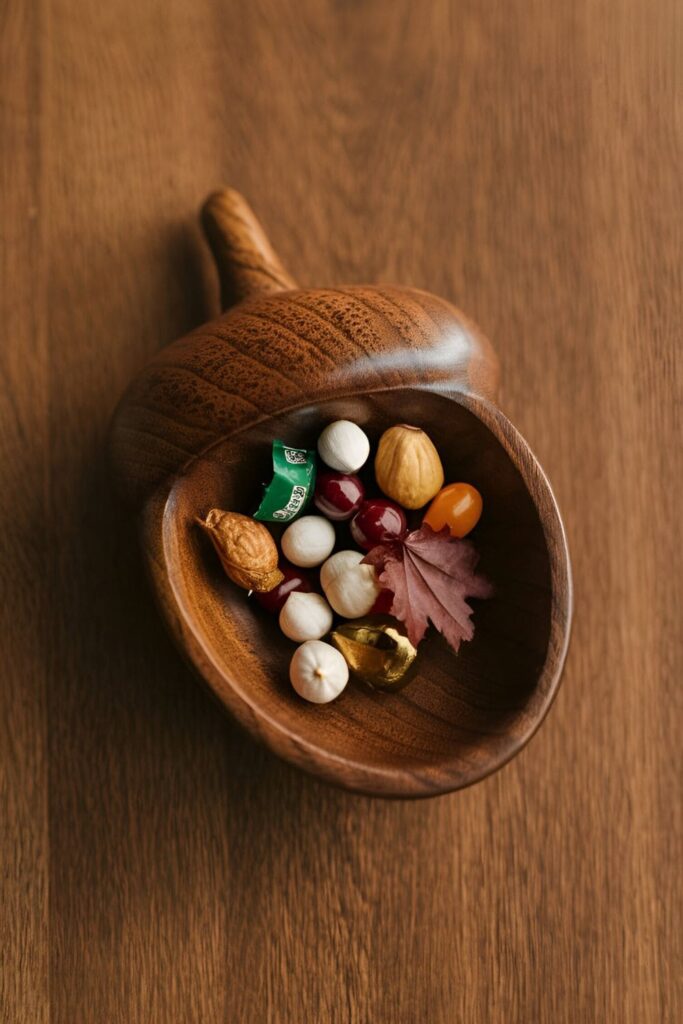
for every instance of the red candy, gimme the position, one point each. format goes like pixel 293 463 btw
pixel 294 579
pixel 338 495
pixel 378 521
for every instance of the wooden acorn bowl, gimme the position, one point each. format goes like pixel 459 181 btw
pixel 194 431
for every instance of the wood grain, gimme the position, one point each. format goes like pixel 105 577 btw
pixel 519 159
pixel 193 432
pixel 244 257
pixel 461 718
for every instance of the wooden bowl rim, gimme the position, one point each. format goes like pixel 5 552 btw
pixel 367 779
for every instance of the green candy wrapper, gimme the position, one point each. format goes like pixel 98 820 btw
pixel 291 488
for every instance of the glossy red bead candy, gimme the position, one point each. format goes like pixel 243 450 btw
pixel 338 495
pixel 378 521
pixel 294 579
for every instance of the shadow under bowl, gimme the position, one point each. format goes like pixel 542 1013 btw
pixel 461 717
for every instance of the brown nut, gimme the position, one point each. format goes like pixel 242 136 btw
pixel 407 466
pixel 246 549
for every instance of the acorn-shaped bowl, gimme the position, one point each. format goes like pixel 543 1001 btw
pixel 194 432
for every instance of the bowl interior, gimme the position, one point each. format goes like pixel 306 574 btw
pixel 461 716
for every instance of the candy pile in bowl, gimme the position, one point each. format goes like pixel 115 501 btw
pixel 351 583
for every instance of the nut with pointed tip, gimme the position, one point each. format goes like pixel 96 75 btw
pixel 246 549
pixel 407 466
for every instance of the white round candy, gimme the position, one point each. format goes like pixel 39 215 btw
pixel 308 541
pixel 318 672
pixel 305 616
pixel 353 592
pixel 343 446
pixel 337 563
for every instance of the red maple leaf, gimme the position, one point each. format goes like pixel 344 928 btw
pixel 431 574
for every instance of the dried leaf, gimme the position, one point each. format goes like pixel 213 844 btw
pixel 431 575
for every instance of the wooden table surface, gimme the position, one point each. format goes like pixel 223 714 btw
pixel 519 158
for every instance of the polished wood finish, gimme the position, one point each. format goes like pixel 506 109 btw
pixel 279 349
pixel 460 718
pixel 244 257
pixel 194 432
pixel 518 159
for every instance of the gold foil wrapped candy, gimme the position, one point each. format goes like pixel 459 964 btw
pixel 377 651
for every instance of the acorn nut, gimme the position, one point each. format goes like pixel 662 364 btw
pixel 407 466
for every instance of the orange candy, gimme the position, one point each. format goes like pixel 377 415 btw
pixel 457 506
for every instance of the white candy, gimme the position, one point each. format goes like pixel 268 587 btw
pixel 318 672
pixel 337 563
pixel 343 446
pixel 308 541
pixel 351 588
pixel 305 616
